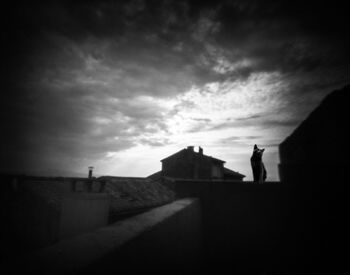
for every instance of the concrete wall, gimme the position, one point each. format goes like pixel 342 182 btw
pixel 83 212
pixel 246 227
pixel 29 223
pixel 37 213
pixel 271 227
pixel 164 240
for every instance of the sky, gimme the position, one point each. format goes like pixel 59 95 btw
pixel 120 85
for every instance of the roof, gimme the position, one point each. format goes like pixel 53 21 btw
pixel 232 173
pixel 195 153
pixel 323 135
pixel 173 155
pixel 49 191
pixel 132 193
pixel 158 175
pixel 155 176
pixel 332 111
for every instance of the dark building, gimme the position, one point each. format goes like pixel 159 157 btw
pixel 314 163
pixel 188 164
pixel 318 149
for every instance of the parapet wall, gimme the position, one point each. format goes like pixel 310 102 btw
pixel 83 212
pixel 247 227
pixel 167 236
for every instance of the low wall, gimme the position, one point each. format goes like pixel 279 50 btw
pixel 30 223
pixel 271 227
pixel 33 221
pixel 83 212
pixel 166 239
pixel 247 227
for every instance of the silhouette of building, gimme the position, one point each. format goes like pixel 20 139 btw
pixel 317 151
pixel 188 164
pixel 315 164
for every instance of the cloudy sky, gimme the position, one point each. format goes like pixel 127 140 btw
pixel 119 85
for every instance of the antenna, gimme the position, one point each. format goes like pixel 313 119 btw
pixel 90 171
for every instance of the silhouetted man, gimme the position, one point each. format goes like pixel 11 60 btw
pixel 258 167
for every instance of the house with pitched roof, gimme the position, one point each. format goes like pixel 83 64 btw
pixel 188 164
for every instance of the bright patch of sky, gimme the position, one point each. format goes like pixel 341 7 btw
pixel 208 116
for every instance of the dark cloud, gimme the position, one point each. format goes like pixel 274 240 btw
pixel 154 142
pixel 270 145
pixel 285 36
pixel 249 141
pixel 187 37
pixel 206 120
pixel 263 122
pixel 240 139
pixel 248 117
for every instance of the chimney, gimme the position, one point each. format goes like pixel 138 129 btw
pixel 90 172
pixel 200 151
pixel 190 148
